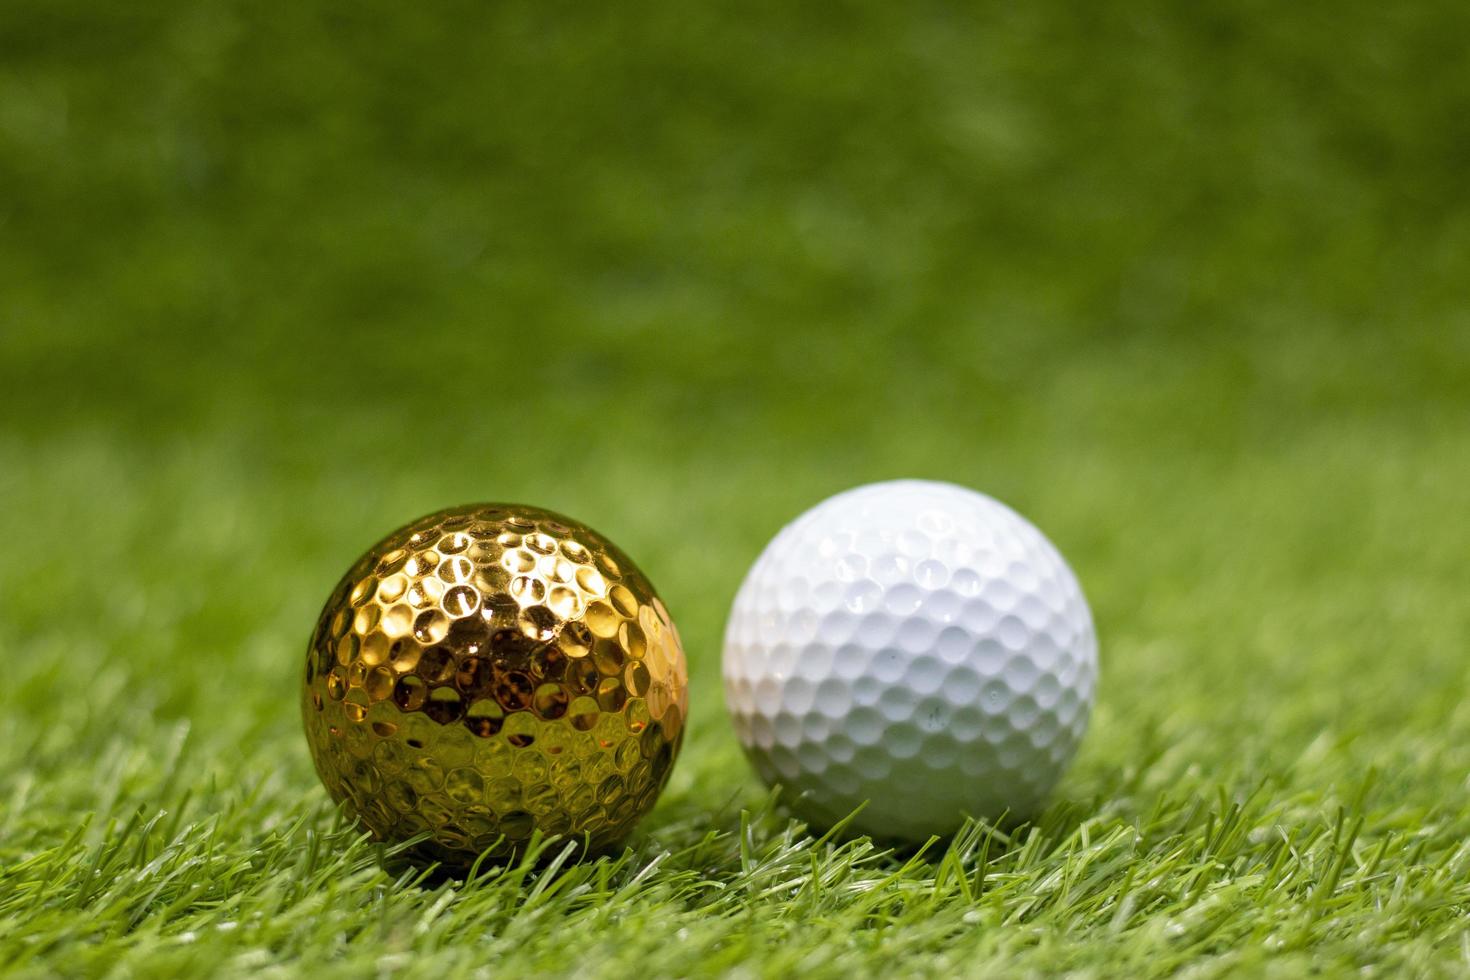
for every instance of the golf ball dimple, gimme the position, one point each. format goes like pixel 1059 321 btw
pixel 914 646
pixel 492 670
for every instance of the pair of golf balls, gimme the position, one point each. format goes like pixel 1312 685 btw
pixel 910 652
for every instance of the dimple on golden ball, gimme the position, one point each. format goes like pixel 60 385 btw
pixel 491 670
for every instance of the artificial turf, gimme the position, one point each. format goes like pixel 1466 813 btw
pixel 1184 284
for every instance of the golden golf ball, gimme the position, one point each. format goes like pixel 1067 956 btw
pixel 491 670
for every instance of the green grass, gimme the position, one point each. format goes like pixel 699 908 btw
pixel 1185 286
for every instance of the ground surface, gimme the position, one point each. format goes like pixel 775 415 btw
pixel 1186 288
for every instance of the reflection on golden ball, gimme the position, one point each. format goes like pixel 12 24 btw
pixel 490 670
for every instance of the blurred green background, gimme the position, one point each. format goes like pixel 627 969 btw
pixel 1186 284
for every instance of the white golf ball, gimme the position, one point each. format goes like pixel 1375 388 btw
pixel 915 646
